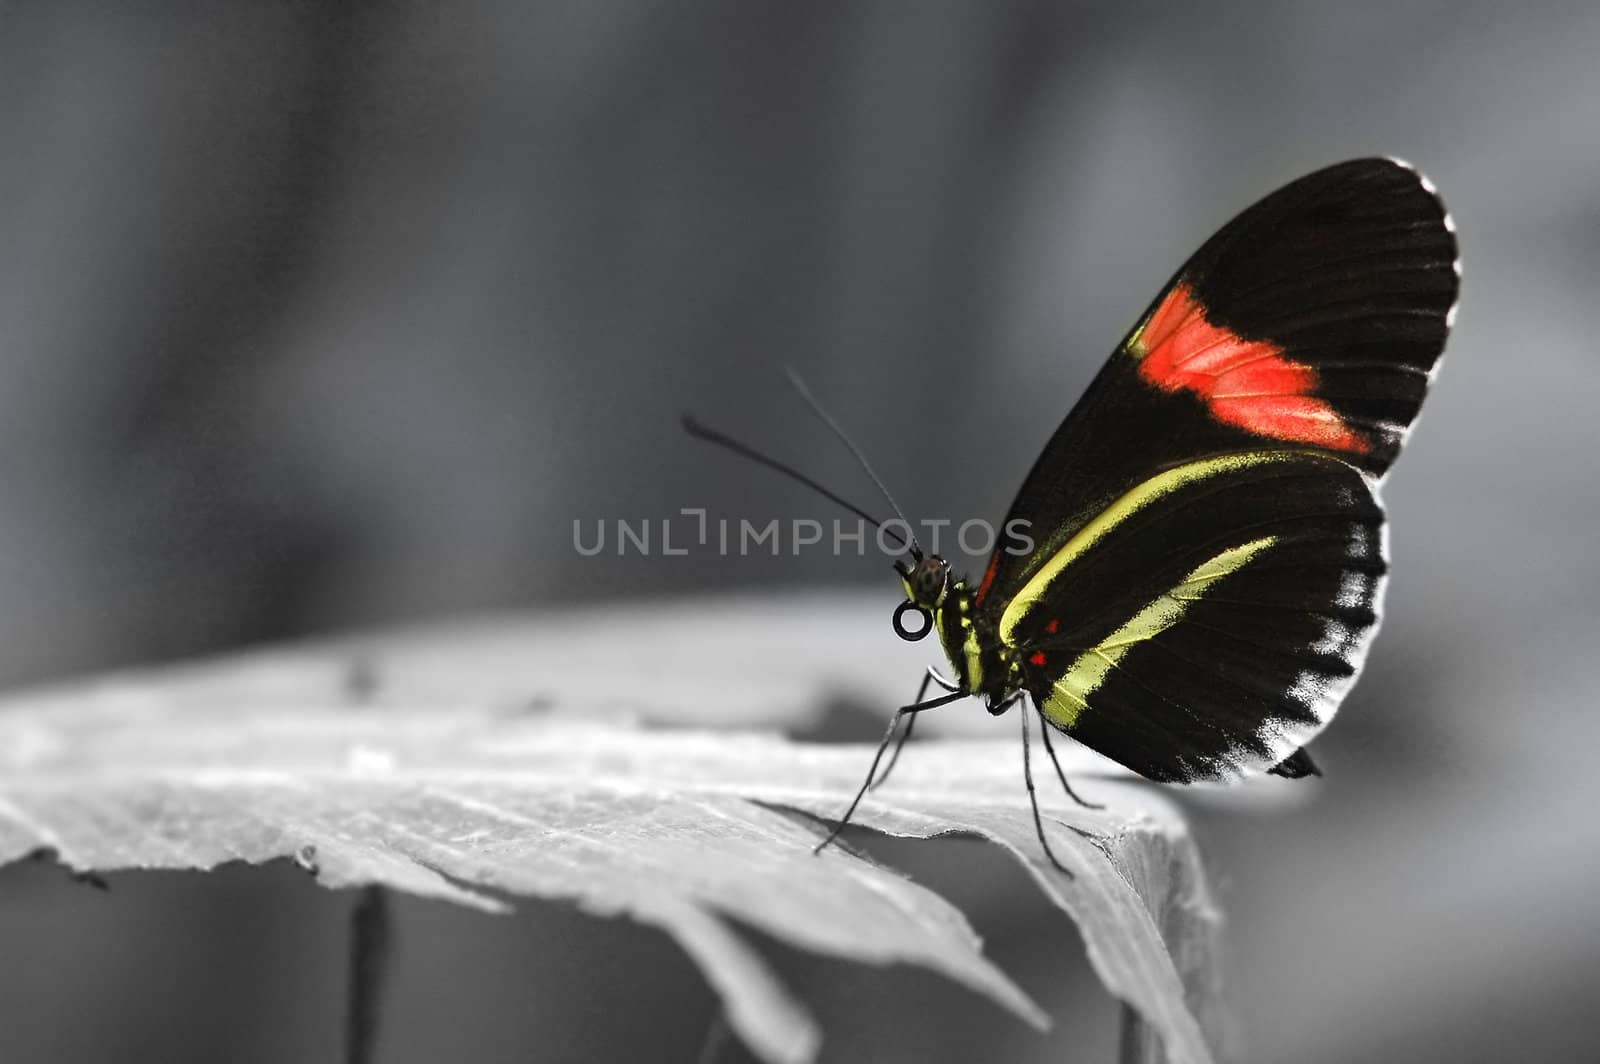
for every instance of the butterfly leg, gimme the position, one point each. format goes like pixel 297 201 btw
pixel 1033 797
pixel 894 722
pixel 1044 729
pixel 932 676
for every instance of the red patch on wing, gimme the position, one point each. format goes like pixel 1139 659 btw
pixel 1038 658
pixel 988 578
pixel 1247 383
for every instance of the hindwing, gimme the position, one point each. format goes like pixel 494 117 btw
pixel 1207 623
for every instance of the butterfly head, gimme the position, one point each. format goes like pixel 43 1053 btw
pixel 926 583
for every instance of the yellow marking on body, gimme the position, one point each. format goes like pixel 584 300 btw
pixel 1150 491
pixel 974 655
pixel 1094 665
pixel 938 623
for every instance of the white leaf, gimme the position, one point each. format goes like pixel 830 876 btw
pixel 469 766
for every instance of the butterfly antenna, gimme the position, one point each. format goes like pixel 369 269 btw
pixel 700 431
pixel 827 419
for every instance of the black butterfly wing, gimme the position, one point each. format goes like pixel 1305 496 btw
pixel 1208 565
pixel 1312 321
pixel 1208 622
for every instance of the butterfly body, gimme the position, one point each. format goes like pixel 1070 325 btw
pixel 980 663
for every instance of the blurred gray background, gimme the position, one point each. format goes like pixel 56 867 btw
pixel 319 316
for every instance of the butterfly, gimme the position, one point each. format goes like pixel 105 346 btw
pixel 1208 543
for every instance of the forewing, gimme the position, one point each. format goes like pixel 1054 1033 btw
pixel 1310 323
pixel 1208 622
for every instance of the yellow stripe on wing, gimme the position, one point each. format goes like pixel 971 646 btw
pixel 1148 492
pixel 1070 694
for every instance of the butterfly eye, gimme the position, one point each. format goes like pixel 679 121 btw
pixel 911 635
pixel 927 582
